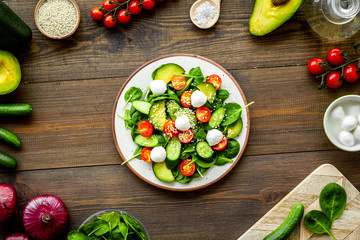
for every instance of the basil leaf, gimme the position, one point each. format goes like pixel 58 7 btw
pixel 333 200
pixel 232 113
pixel 133 93
pixel 317 222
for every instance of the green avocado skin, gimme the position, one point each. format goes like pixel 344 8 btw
pixel 13 31
pixel 266 17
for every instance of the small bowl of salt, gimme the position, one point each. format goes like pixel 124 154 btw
pixel 57 19
pixel 205 13
pixel 342 123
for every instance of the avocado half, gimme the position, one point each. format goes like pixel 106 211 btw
pixel 10 72
pixel 270 14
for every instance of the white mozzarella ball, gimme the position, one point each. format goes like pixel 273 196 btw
pixel 158 87
pixel 158 154
pixel 182 123
pixel 346 138
pixel 198 99
pixel 349 123
pixel 357 132
pixel 214 136
pixel 338 113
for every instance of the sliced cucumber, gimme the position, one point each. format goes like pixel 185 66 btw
pixel 142 106
pixel 152 141
pixel 217 117
pixel 171 107
pixel 157 114
pixel 173 151
pixel 204 150
pixel 208 89
pixel 162 172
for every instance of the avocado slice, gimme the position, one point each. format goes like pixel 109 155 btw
pixel 234 129
pixel 162 172
pixel 166 71
pixel 10 72
pixel 270 14
pixel 209 91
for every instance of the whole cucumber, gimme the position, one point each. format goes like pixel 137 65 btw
pixel 7 161
pixel 9 137
pixel 15 109
pixel 289 225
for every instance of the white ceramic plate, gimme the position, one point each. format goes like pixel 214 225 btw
pixel 141 78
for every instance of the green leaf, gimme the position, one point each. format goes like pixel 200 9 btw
pixel 113 218
pixel 75 235
pixel 101 227
pixel 123 229
pixel 132 94
pixel 333 200
pixel 317 222
pixel 232 113
pixel 222 94
pixel 222 160
pixel 232 148
pixel 200 134
pixel 87 228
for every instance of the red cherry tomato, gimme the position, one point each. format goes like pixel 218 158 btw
pixel 145 128
pixel 148 4
pixel 109 22
pixel 350 73
pixel 123 16
pixel 188 170
pixel 215 80
pixel 333 80
pixel 185 99
pixel 108 6
pixel 221 145
pixel 169 129
pixel 145 154
pixel 186 136
pixel 134 7
pixel 203 114
pixel 314 66
pixel 97 14
pixel 178 82
pixel 334 57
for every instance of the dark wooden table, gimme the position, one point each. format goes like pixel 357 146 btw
pixel 68 148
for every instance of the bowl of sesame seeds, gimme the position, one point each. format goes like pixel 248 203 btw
pixel 57 19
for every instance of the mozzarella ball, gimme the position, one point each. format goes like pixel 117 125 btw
pixel 198 99
pixel 349 123
pixel 357 132
pixel 346 138
pixel 214 136
pixel 182 123
pixel 158 154
pixel 158 87
pixel 338 113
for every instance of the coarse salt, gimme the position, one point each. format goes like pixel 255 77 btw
pixel 204 13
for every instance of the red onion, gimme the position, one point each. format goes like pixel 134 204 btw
pixel 45 217
pixel 17 236
pixel 7 202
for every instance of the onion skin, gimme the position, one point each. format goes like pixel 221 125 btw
pixel 17 236
pixel 8 207
pixel 45 217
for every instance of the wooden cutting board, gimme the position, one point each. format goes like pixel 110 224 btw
pixel 347 226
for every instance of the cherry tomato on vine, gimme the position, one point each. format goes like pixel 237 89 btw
pixel 109 22
pixel 108 6
pixel 188 170
pixel 333 80
pixel 145 128
pixel 148 4
pixel 178 82
pixel 350 74
pixel 215 80
pixel 203 114
pixel 145 154
pixel 221 145
pixel 186 136
pixel 123 16
pixel 334 57
pixel 314 66
pixel 185 99
pixel 97 14
pixel 134 7
pixel 169 128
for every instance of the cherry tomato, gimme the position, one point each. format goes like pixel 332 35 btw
pixel 185 99
pixel 221 145
pixel 333 80
pixel 188 170
pixel 186 136
pixel 123 16
pixel 145 154
pixel 169 129
pixel 215 80
pixel 203 114
pixel 148 4
pixel 334 57
pixel 350 74
pixel 109 22
pixel 108 6
pixel 134 7
pixel 314 66
pixel 145 128
pixel 178 82
pixel 97 14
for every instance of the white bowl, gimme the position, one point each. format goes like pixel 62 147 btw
pixel 332 127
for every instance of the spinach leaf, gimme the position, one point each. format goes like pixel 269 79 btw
pixel 127 119
pixel 112 218
pixel 222 94
pixel 222 160
pixel 123 229
pixel 101 227
pixel 333 200
pixel 200 134
pixel 317 222
pixel 197 75
pixel 232 149
pixel 75 235
pixel 132 94
pixel 232 113
pixel 87 228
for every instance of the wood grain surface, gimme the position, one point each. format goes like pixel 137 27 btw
pixel 67 145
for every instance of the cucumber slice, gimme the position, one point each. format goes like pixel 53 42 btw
pixel 173 151
pixel 162 172
pixel 171 107
pixel 217 117
pixel 142 106
pixel 204 150
pixel 152 141
pixel 208 89
pixel 157 114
